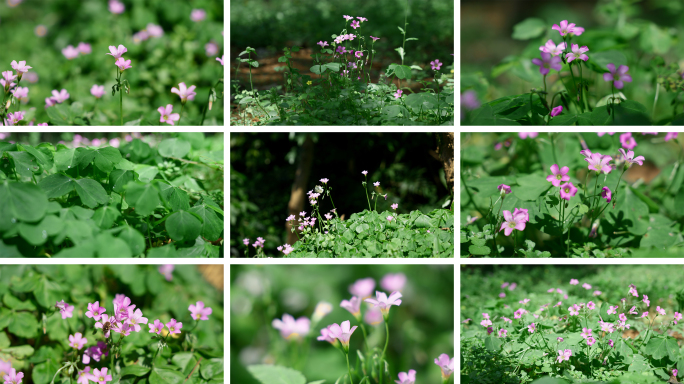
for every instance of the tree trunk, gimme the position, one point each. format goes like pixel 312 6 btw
pixel 445 150
pixel 298 194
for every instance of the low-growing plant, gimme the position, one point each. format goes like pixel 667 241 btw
pixel 131 196
pixel 366 234
pixel 543 327
pixel 579 197
pixel 65 324
pixel 343 93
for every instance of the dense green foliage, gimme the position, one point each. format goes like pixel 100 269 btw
pixel 420 329
pixel 644 352
pixel 263 168
pixel 642 216
pixel 37 32
pixel 150 196
pixel 34 336
pixel 646 37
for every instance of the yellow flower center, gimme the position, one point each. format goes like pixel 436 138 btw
pixel 567 190
pixel 559 176
pixel 512 225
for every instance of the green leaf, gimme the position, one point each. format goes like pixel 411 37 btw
pixel 44 159
pixel 24 325
pixel 47 293
pixel 564 119
pixel 602 59
pixel 275 374
pixel 59 114
pixel 13 303
pixel 91 192
pixel 43 373
pixel 212 226
pixel 183 359
pixel 108 246
pixel 211 368
pixel 655 40
pixel 24 163
pixel 659 347
pixel 143 197
pixel 20 201
pixel 177 148
pixel 146 173
pixel 183 226
pixel 529 28
pixel 492 343
pixel 165 376
pixel 479 250
pixel 56 185
pixel 20 351
pixel 530 187
pixel 134 370
pixel 166 251
pixel 64 158
pixel 104 217
pixel 119 178
pixel 402 71
pixel 134 239
pixel 321 68
pixel 423 100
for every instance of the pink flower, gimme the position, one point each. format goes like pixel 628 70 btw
pixel 622 317
pixel 574 310
pixel 291 329
pixel 574 281
pixel 20 92
pixel 436 65
pixel 323 44
pixel 531 328
pixel 167 116
pixel 156 327
pixel 65 309
pixel 591 305
pixel 660 311
pixel 548 62
pixel 612 310
pixel 373 316
pixel 49 102
pixel 586 333
pixel 358 54
pixel 674 372
pixel 84 48
pixel 199 311
pixel 185 93
pixel 365 173
pixel 362 288
pixel 628 141
pixel 100 376
pixel 395 206
pixel 347 17
pixel 122 63
pixel 77 340
pixel 567 191
pixel 629 156
pixel 397 94
pixel 406 378
pixel 117 52
pixel 677 317
pixel 211 49
pixel 669 136
pixel 13 377
pixel 384 302
pixel 198 15
pixel 577 53
pixel 586 153
pixel 599 163
pixel 486 323
pixel 361 19
pixel 104 319
pixel 618 77
pixel 83 376
pixel 376 184
pixel 558 175
pixel 393 282
pixel 600 134
pixel 633 311
pixel 95 311
pixel 577 31
pixel 5 367
pixel 136 318
pixel 556 111
pixel 352 305
pixel 552 48
pixel 20 67
pixel 446 365
pixel 220 60
pixel 70 52
pixel 644 314
pixel 375 38
pixel 564 355
pixel 525 135
pixel 607 327
pixel 503 332
pixel 175 327
pixel 97 90
pixel 504 189
pixel 512 222
pixel 606 194
pixel 154 30
pixel 355 24
pixel 116 7
pixel 326 335
pixel 645 300
pixel 586 286
pixel 564 27
pixel 342 332
pixel 591 341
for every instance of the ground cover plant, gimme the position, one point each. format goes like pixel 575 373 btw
pixel 122 324
pixel 572 195
pixel 165 55
pixel 338 89
pixel 618 65
pixel 122 195
pixel 383 198
pixel 344 324
pixel 571 324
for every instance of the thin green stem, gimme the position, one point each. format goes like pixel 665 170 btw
pixel 384 350
pixel 655 101
pixel 365 188
pixel 180 115
pixel 348 368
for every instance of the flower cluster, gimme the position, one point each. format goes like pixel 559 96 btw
pixel 82 49
pixel 117 53
pixel 152 30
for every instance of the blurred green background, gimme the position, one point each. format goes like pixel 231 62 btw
pixel 263 167
pixel 636 33
pixel 421 328
pixel 158 64
pixel 271 25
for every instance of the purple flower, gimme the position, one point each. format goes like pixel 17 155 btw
pixel 65 309
pixel 436 65
pixel 384 302
pixel 522 211
pixel 606 194
pixel 469 100
pixel 358 54
pixel 95 311
pixel 77 341
pixel 174 326
pixel 375 38
pixel 156 327
pixel 393 282
pixel 671 135
pixel 397 94
pixel 355 24
pixel 70 52
pixel 628 141
pixel 567 191
pixel 504 189
pixel 619 76
pixel 629 157
pixel 117 52
pixel 446 365
pixel 552 48
pixel 565 27
pixel 548 62
pixel 558 175
pixel 406 378
pixel 83 376
pixel 556 111
pixel 577 53
pixel 198 15
pixel 322 43
pixel 525 135
pixel 512 222
pixel 199 312
pixel 599 163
